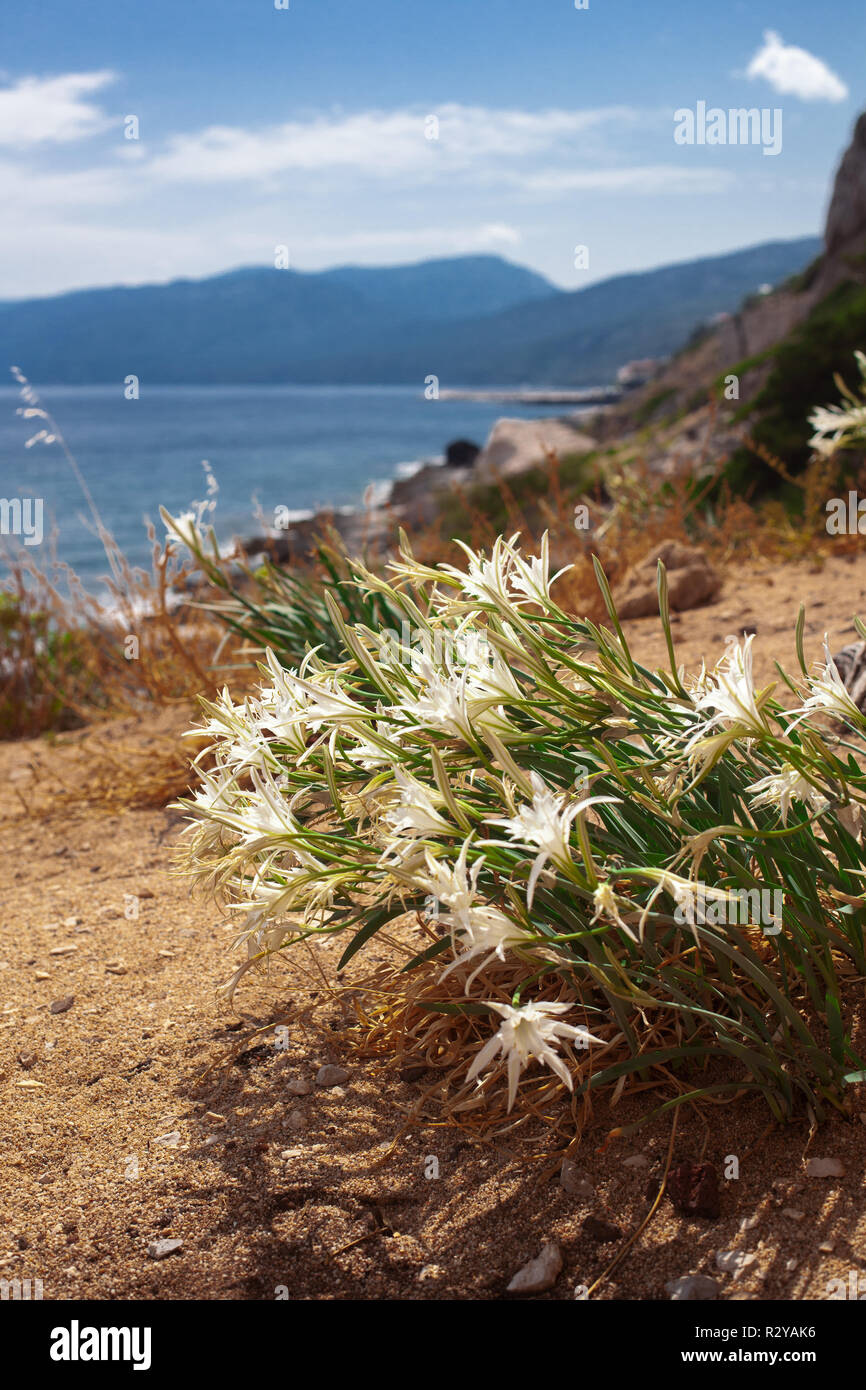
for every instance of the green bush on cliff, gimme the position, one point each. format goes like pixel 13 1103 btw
pixel 803 371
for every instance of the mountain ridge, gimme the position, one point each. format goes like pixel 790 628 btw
pixel 475 320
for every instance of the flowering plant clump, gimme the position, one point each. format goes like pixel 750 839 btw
pixel 587 826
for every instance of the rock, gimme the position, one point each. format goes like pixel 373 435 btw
pixel 414 1073
pixel 161 1249
pixel 826 1247
pixel 297 1086
pixel 825 1168
pixel 515 446
pixel 692 1288
pixel 845 231
pixel 691 581
pixel 170 1140
pixel 602 1231
pixel 332 1076
pixel 733 1261
pixel 793 1215
pixel 27 1060
pixel 539 1274
pixel 636 1161
pixel 461 453
pixel 694 1190
pixel 749 1223
pixel 574 1181
pixel 62 1006
pixel 297 1121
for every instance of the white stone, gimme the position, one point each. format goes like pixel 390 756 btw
pixel 539 1274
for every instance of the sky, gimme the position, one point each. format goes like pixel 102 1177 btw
pixel 145 142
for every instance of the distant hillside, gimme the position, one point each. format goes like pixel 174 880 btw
pixel 468 320
pixel 784 349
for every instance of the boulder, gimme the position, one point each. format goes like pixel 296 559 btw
pixel 692 581
pixel 461 453
pixel 515 446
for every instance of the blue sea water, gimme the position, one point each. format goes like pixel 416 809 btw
pixel 298 447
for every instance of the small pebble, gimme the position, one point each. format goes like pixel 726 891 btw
pixel 733 1261
pixel 602 1231
pixel 825 1168
pixel 161 1249
pixel 62 1006
pixel 332 1076
pixel 792 1214
pixel 574 1181
pixel 297 1086
pixel 692 1288
pixel 539 1274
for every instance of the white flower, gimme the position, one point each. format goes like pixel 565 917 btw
pixel 605 904
pixel 441 702
pixel 185 527
pixel 452 885
pixel 531 577
pixel 485 579
pixel 484 931
pixel 546 823
pixel 829 695
pixel 323 702
pixel 732 693
pixel 507 578
pixel 781 788
pixel 526 1032
pixel 836 425
pixel 415 812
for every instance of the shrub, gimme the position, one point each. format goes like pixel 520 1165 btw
pixel 575 834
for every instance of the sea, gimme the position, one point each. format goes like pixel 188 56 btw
pixel 297 447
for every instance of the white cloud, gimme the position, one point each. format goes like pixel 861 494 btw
pixel 795 72
pixel 381 143
pixel 642 178
pixel 40 110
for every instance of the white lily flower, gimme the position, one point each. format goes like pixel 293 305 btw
pixel 185 528
pixel 453 885
pixel 546 823
pixel 783 787
pixel 732 692
pixel 829 695
pixel 323 702
pixel 531 577
pixel 441 702
pixel 485 579
pixel 483 931
pixel 605 904
pixel 533 1030
pixel 415 811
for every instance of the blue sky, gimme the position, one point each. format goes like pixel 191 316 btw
pixel 310 128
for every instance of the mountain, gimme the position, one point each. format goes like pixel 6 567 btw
pixel 468 320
